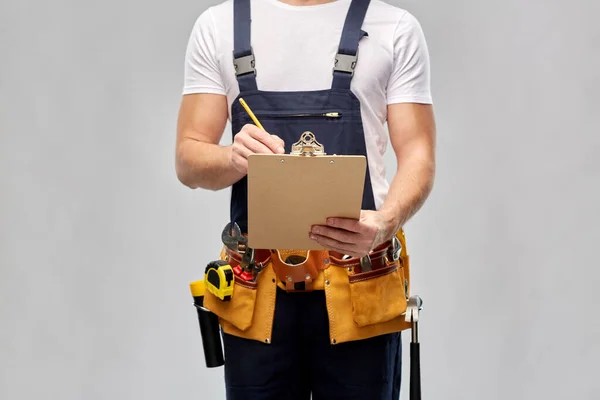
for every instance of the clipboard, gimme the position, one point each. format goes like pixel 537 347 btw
pixel 288 193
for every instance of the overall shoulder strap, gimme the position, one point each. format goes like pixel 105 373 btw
pixel 346 57
pixel 243 56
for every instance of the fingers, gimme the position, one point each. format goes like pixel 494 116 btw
pixel 281 143
pixel 339 235
pixel 351 225
pixel 272 142
pixel 332 244
pixel 253 140
pixel 250 145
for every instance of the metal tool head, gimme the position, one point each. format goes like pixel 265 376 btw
pixel 365 264
pixel 232 236
pixel 257 270
pixel 396 249
pixel 247 262
pixel 413 310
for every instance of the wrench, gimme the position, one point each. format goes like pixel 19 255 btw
pixel 232 237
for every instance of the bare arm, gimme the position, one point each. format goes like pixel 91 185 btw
pixel 413 138
pixel 200 161
pixel 412 133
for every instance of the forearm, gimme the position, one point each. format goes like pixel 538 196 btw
pixel 410 186
pixel 206 165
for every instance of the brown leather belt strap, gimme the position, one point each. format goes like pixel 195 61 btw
pixel 260 256
pixel 299 276
pixel 378 258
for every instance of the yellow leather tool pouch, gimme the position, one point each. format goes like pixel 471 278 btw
pixel 250 311
pixel 239 311
pixel 378 296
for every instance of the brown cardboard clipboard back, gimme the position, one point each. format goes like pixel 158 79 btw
pixel 289 193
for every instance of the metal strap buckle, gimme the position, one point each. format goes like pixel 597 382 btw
pixel 244 65
pixel 345 63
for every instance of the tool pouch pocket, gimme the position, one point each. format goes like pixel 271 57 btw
pixel 379 295
pixel 239 311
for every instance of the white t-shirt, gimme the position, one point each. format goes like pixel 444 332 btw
pixel 295 48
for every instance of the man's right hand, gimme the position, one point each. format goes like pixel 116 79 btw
pixel 253 140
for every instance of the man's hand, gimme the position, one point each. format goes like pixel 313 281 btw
pixel 253 140
pixel 355 238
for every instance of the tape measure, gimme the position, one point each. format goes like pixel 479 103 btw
pixel 219 279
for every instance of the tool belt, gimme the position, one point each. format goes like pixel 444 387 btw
pixel 364 295
pixel 297 271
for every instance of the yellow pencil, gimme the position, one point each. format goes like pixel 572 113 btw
pixel 251 114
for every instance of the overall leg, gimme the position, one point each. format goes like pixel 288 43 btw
pixel 259 371
pixel 361 370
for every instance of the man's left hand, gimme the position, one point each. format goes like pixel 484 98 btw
pixel 355 238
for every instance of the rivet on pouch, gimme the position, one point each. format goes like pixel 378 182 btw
pixel 326 261
pixel 334 341
pixel 307 277
pixel 327 282
pixel 289 278
pixel 267 341
pixel 350 269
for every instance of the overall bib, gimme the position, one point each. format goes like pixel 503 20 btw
pixel 333 115
pixel 278 345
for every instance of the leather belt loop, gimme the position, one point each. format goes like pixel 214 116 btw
pixel 297 277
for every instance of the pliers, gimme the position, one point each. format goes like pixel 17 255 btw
pixel 234 240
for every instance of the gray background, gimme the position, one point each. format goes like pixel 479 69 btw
pixel 98 240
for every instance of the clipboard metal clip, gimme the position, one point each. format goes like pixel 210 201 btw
pixel 307 146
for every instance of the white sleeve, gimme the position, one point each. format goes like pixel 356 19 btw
pixel 410 78
pixel 202 73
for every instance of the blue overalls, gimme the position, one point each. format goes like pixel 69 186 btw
pixel 300 360
pixel 333 115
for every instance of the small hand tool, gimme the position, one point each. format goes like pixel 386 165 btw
pixel 414 307
pixel 257 269
pixel 365 264
pixel 209 327
pixel 395 249
pixel 247 262
pixel 218 277
pixel 234 240
pixel 232 237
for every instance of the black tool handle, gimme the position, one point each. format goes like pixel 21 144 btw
pixel 211 335
pixel 415 371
